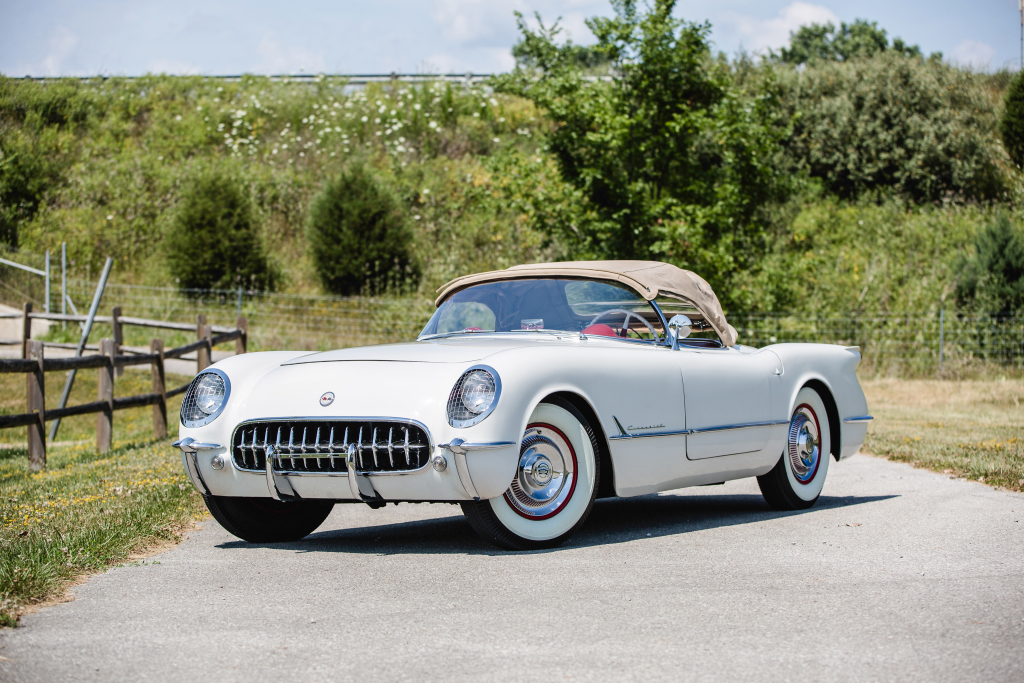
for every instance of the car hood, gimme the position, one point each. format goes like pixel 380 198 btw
pixel 459 350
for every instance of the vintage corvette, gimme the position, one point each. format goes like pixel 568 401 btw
pixel 531 392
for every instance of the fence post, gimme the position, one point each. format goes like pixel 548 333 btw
pixel 47 289
pixel 36 404
pixel 242 343
pixel 156 346
pixel 942 334
pixel 202 354
pixel 115 321
pixel 105 419
pixel 26 328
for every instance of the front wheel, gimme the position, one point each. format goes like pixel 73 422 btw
pixel 264 520
pixel 796 480
pixel 553 488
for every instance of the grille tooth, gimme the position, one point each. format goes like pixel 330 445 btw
pixel 311 453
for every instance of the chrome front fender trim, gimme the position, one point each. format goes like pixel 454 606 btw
pixel 458 446
pixel 191 462
pixel 859 418
pixel 190 445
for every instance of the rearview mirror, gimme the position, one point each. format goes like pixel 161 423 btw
pixel 679 327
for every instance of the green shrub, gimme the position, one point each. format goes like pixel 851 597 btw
pixel 1011 126
pixel 213 242
pixel 918 128
pixel 359 238
pixel 992 278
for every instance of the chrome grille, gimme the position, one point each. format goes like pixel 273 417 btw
pixel 322 445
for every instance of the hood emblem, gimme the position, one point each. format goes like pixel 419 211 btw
pixel 327 399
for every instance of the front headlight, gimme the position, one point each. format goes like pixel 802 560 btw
pixel 205 398
pixel 474 396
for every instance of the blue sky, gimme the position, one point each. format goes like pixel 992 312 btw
pixel 216 37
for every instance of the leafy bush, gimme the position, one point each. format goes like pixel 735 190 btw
pixel 894 124
pixel 213 243
pixel 992 278
pixel 359 237
pixel 1011 126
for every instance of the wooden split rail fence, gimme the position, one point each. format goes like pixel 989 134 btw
pixel 110 362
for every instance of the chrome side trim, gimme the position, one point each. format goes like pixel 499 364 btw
pixel 680 432
pixel 859 418
pixel 190 445
pixel 690 432
pixel 460 447
pixel 743 425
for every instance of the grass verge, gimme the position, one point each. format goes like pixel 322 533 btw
pixel 85 512
pixel 969 429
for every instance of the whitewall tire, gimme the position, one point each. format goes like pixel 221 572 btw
pixel 796 480
pixel 553 489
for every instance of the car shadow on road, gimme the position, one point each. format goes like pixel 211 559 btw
pixel 613 520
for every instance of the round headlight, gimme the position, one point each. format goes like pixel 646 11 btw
pixel 210 393
pixel 478 391
pixel 473 397
pixel 205 398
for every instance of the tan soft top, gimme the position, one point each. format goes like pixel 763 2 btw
pixel 648 278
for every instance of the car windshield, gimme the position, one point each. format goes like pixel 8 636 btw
pixel 548 305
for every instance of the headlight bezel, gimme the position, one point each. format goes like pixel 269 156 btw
pixel 190 396
pixel 459 414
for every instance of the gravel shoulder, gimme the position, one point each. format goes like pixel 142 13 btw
pixel 897 574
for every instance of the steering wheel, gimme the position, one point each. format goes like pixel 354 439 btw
pixel 625 321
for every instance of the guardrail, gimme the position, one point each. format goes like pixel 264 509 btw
pixel 110 362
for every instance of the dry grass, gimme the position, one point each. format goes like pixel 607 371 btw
pixel 970 429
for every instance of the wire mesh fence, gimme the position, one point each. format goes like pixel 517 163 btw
pixel 891 344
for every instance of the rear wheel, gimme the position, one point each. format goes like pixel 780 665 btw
pixel 796 480
pixel 553 489
pixel 264 520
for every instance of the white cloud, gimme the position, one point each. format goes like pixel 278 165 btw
pixel 973 54
pixel 760 34
pixel 279 58
pixel 475 22
pixel 61 44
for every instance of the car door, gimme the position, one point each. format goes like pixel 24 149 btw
pixel 727 401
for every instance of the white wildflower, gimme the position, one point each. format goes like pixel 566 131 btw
pixel 110 217
pixel 416 106
pixel 433 124
pixel 364 119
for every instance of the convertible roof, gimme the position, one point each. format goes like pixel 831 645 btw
pixel 648 278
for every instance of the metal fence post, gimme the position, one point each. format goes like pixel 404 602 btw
pixel 26 328
pixel 202 358
pixel 47 289
pixel 36 381
pixel 63 283
pixel 156 346
pixel 105 392
pixel 242 343
pixel 942 334
pixel 115 322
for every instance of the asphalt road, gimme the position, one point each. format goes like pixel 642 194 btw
pixel 897 574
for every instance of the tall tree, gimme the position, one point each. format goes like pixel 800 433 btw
pixel 670 161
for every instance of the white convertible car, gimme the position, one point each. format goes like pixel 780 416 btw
pixel 531 392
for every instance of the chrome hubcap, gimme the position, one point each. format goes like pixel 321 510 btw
pixel 804 444
pixel 544 479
